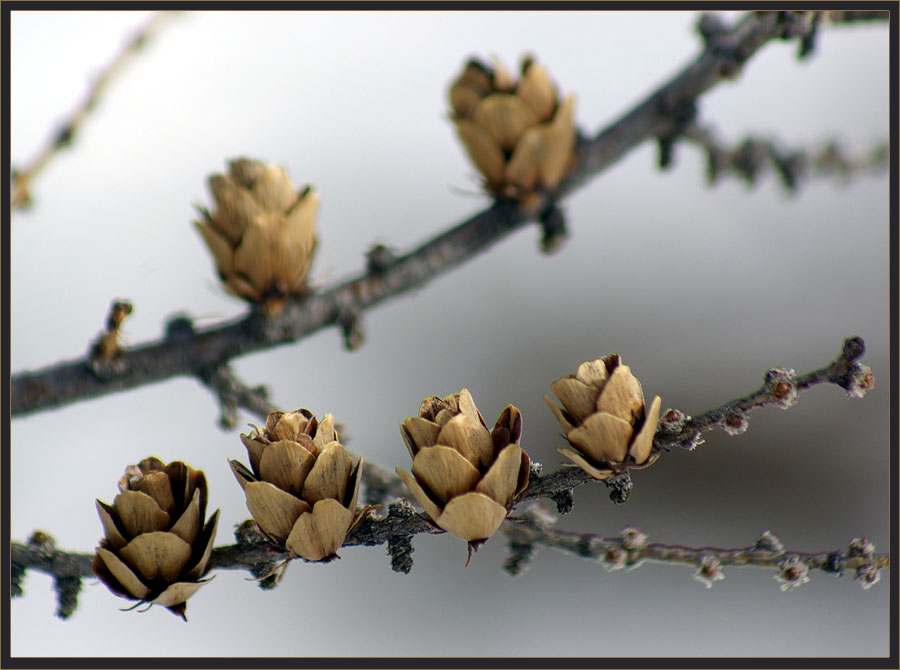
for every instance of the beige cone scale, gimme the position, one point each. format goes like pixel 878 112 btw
pixel 519 134
pixel 261 233
pixel 156 547
pixel 465 476
pixel 603 415
pixel 303 486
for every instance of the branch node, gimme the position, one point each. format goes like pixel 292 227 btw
pixel 834 563
pixel 681 114
pixel 248 533
pixel 853 349
pixel 400 549
pixel 565 501
pixel 349 320
pixel 519 558
pixel 620 487
pixel 180 328
pixel 710 26
pixel 43 543
pixel 16 576
pixel 67 589
pixel 553 228
pixel 379 259
pixel 769 542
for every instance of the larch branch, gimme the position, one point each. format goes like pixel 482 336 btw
pixel 197 352
pixel 23 177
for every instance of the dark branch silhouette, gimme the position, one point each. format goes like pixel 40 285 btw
pixel 663 115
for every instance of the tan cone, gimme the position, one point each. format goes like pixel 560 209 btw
pixel 465 476
pixel 604 418
pixel 156 546
pixel 261 233
pixel 302 486
pixel 519 134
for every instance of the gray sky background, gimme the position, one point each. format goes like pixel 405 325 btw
pixel 699 289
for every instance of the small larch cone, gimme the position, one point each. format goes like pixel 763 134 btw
pixel 604 418
pixel 303 487
pixel 261 233
pixel 156 548
pixel 519 134
pixel 465 476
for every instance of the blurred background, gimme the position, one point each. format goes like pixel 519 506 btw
pixel 700 290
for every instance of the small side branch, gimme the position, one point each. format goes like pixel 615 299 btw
pixel 23 177
pixel 233 394
pixel 67 569
pixel 754 156
pixel 631 548
pixel 780 389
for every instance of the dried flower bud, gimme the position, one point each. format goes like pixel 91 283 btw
pixel 518 134
pixel 633 539
pixel 156 547
pixel 859 380
pixel 613 558
pixel 604 418
pixel 736 421
pixel 780 386
pixel 464 475
pixel 867 575
pixel 768 541
pixel 709 571
pixel 793 574
pixel 673 421
pixel 860 547
pixel 304 485
pixel 262 232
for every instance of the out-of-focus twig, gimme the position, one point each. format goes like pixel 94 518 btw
pixel 754 155
pixel 631 548
pixel 858 15
pixel 233 394
pixel 23 176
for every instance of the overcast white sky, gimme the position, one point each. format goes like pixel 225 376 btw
pixel 699 289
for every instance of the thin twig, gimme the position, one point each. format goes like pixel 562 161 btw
pixel 754 155
pixel 780 389
pixel 659 115
pixel 23 177
pixel 234 394
pixel 630 549
pixel 401 522
pixel 677 430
